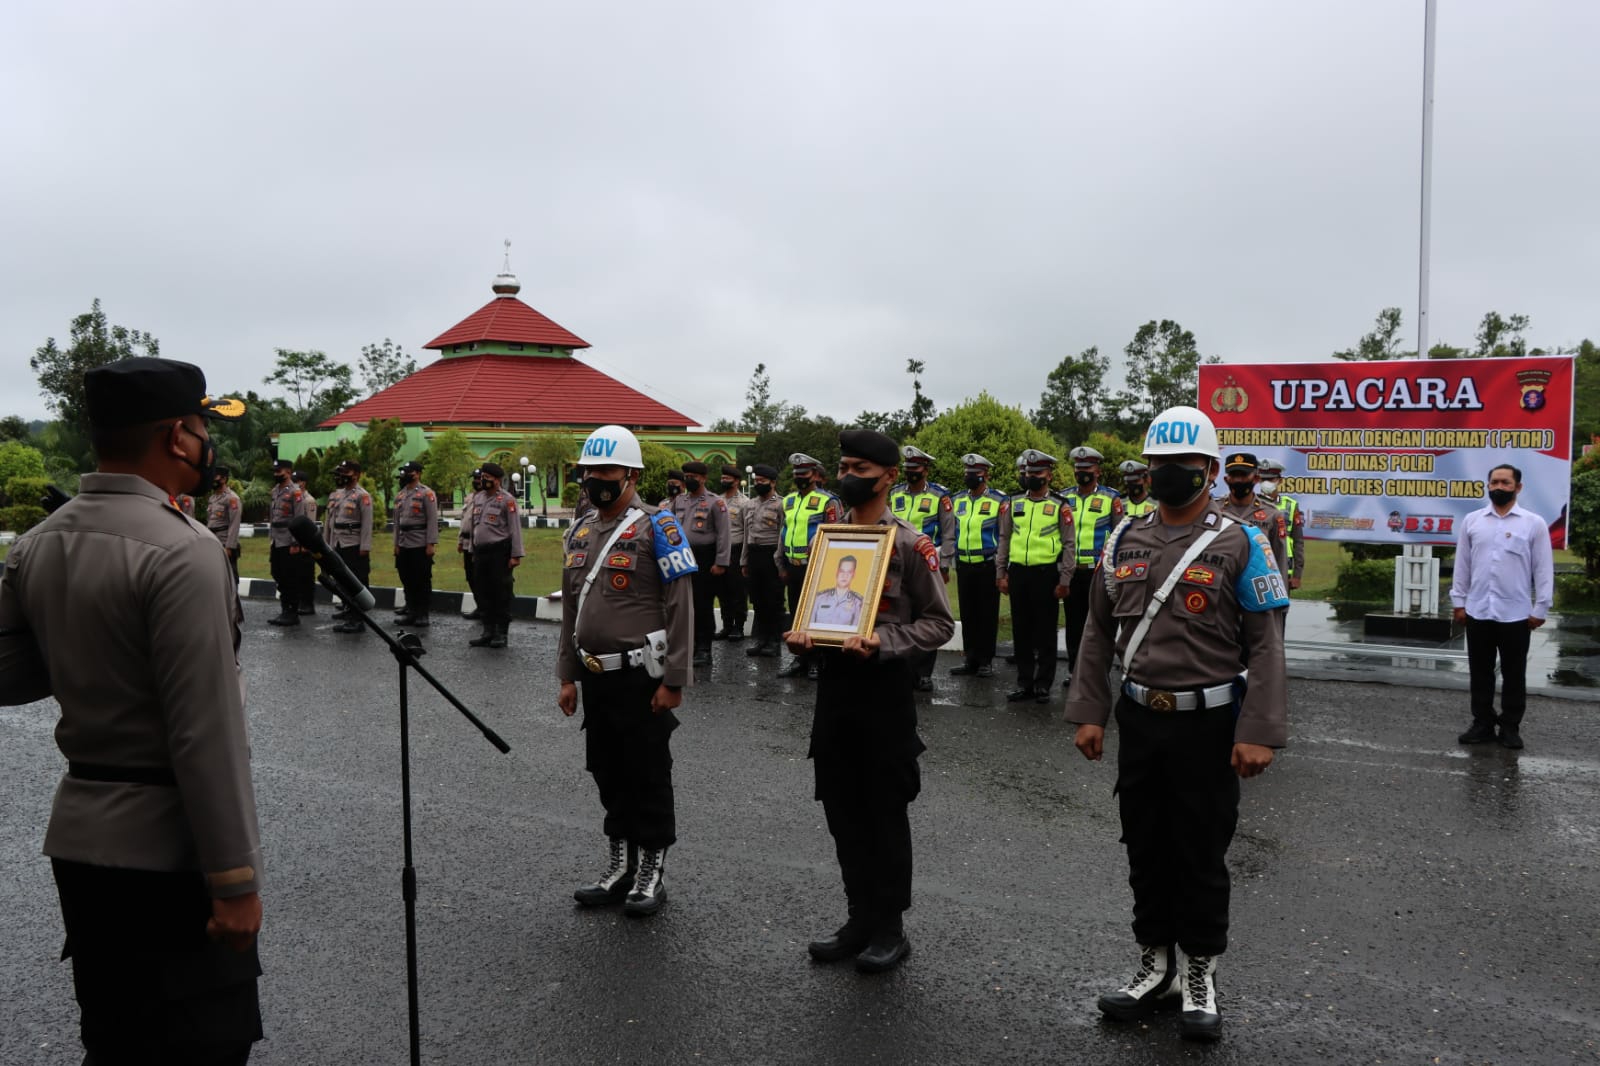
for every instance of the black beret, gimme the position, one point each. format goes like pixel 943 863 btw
pixel 412 467
pixel 300 476
pixel 220 471
pixel 674 475
pixel 870 445
pixel 283 464
pixel 494 470
pixel 351 464
pixel 695 468
pixel 729 470
pixel 130 391
pixel 768 472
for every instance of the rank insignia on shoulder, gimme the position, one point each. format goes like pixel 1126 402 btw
pixel 1200 575
pixel 929 553
pixel 620 561
pixel 626 534
pixel 575 559
pixel 1211 519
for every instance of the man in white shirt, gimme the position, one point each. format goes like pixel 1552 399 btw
pixel 1504 582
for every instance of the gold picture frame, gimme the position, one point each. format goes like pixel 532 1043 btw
pixel 840 601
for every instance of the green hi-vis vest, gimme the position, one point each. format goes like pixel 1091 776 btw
pixel 1290 508
pixel 1035 531
pixel 1138 510
pixel 801 517
pixel 1091 521
pixel 977 525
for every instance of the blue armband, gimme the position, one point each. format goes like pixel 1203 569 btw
pixel 1260 586
pixel 673 555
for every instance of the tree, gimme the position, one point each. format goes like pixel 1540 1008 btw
pixel 1586 393
pixel 658 459
pixel 320 387
pixel 907 421
pixel 1583 518
pixel 551 451
pixel 93 343
pixel 1074 396
pixel 988 427
pixel 761 413
pixel 815 435
pixel 1499 336
pixel 380 444
pixel 19 460
pixel 1163 370
pixel 15 427
pixel 1382 343
pixel 383 365
pixel 245 446
pixel 447 467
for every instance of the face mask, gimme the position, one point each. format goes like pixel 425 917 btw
pixel 856 491
pixel 1240 489
pixel 1176 485
pixel 1137 489
pixel 603 492
pixel 1501 497
pixel 974 480
pixel 692 484
pixel 204 469
pixel 727 486
pixel 1033 484
pixel 762 489
pixel 219 484
pixel 1083 477
pixel 673 490
pixel 280 476
pixel 1270 487
pixel 916 476
pixel 802 484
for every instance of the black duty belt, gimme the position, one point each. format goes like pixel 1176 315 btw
pixel 133 775
pixel 277 525
pixel 420 525
pixel 347 525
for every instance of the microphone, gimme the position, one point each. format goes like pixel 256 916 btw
pixel 305 532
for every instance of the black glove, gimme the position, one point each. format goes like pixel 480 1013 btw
pixel 52 499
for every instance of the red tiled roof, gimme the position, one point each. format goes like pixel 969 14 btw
pixel 510 321
pixel 514 389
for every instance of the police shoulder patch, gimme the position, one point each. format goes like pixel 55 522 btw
pixel 929 553
pixel 944 503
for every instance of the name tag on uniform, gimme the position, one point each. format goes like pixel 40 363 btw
pixel 984 508
pixel 1097 503
pixel 1019 509
pixel 925 505
pixel 1049 510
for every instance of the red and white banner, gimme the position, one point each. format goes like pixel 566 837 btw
pixel 1399 452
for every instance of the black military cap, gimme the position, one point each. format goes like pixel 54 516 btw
pixel 695 468
pixel 729 470
pixel 1243 462
pixel 351 464
pixel 768 472
pixel 131 391
pixel 674 475
pixel 220 471
pixel 412 467
pixel 299 476
pixel 494 470
pixel 870 445
pixel 283 464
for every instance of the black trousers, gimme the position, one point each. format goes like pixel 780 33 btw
pixel 282 577
pixel 980 610
pixel 730 593
pixel 864 749
pixel 1075 613
pixel 304 570
pixel 472 580
pixel 150 985
pixel 360 565
pixel 1508 641
pixel 1033 624
pixel 1179 799
pixel 495 581
pixel 629 754
pixel 705 586
pixel 766 592
pixel 415 568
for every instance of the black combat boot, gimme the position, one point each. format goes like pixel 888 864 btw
pixel 794 669
pixel 702 656
pixel 887 949
pixel 486 638
pixel 649 891
pixel 418 621
pixel 501 632
pixel 849 941
pixel 615 884
pixel 1154 986
pixel 287 616
pixel 1201 1019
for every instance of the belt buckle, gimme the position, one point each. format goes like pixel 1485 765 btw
pixel 592 664
pixel 1163 701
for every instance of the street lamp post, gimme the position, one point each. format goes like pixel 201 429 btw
pixel 523 462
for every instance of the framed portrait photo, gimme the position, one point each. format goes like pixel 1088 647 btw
pixel 844 582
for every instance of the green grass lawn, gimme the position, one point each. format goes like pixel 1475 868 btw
pixel 539 574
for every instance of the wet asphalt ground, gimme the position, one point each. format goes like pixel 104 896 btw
pixel 1397 898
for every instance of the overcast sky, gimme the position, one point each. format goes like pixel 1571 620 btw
pixel 825 187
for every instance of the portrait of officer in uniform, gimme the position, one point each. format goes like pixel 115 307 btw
pixel 839 605
pixel 1184 597
pixel 126 611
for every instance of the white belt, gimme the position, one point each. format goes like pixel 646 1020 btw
pixel 604 664
pixel 1158 700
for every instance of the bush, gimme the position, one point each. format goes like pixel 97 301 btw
pixel 1577 593
pixel 21 517
pixel 569 495
pixel 26 490
pixel 1365 580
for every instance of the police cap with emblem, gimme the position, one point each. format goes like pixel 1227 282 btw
pixel 130 391
pixel 695 468
pixel 1083 455
pixel 912 454
pixel 729 470
pixel 300 476
pixel 351 464
pixel 494 470
pixel 974 461
pixel 1270 466
pixel 798 460
pixel 763 470
pixel 1034 459
pixel 412 467
pixel 1241 463
pixel 283 464
pixel 870 445
pixel 1133 466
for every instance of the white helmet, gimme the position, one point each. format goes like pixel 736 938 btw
pixel 1182 431
pixel 612 446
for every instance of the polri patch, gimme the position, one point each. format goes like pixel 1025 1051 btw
pixel 620 561
pixel 1196 602
pixel 575 559
pixel 619 581
pixel 1200 575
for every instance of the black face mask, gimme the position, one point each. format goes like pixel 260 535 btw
pixel 916 477
pixel 1501 497
pixel 1084 477
pixel 762 488
pixel 855 491
pixel 802 484
pixel 728 486
pixel 603 492
pixel 1137 489
pixel 1033 484
pixel 692 484
pixel 205 469
pixel 281 476
pixel 1241 489
pixel 674 490
pixel 1177 485
pixel 974 481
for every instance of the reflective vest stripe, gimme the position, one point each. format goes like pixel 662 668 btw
pixel 1138 510
pixel 1291 509
pixel 977 529
pixel 1035 531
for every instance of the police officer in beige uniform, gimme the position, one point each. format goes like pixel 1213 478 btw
pixel 464 544
pixel 496 535
pixel 347 527
pixel 416 538
pixel 704 519
pixel 305 567
pixel 627 624
pixel 763 541
pixel 287 502
pixel 864 742
pixel 125 611
pixel 222 517
pixel 1182 598
pixel 1242 472
pixel 730 589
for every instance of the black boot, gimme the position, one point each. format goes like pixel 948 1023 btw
pixel 702 656
pixel 486 638
pixel 887 949
pixel 794 669
pixel 418 621
pixel 735 633
pixel 964 670
pixel 1201 1019
pixel 1480 733
pixel 849 941
pixel 476 615
pixel 501 631
pixel 287 616
pixel 649 891
pixel 1154 986
pixel 615 884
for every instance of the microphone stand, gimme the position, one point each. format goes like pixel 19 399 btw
pixel 407 648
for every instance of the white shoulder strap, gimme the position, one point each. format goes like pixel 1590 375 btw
pixel 1108 553
pixel 633 515
pixel 1156 601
